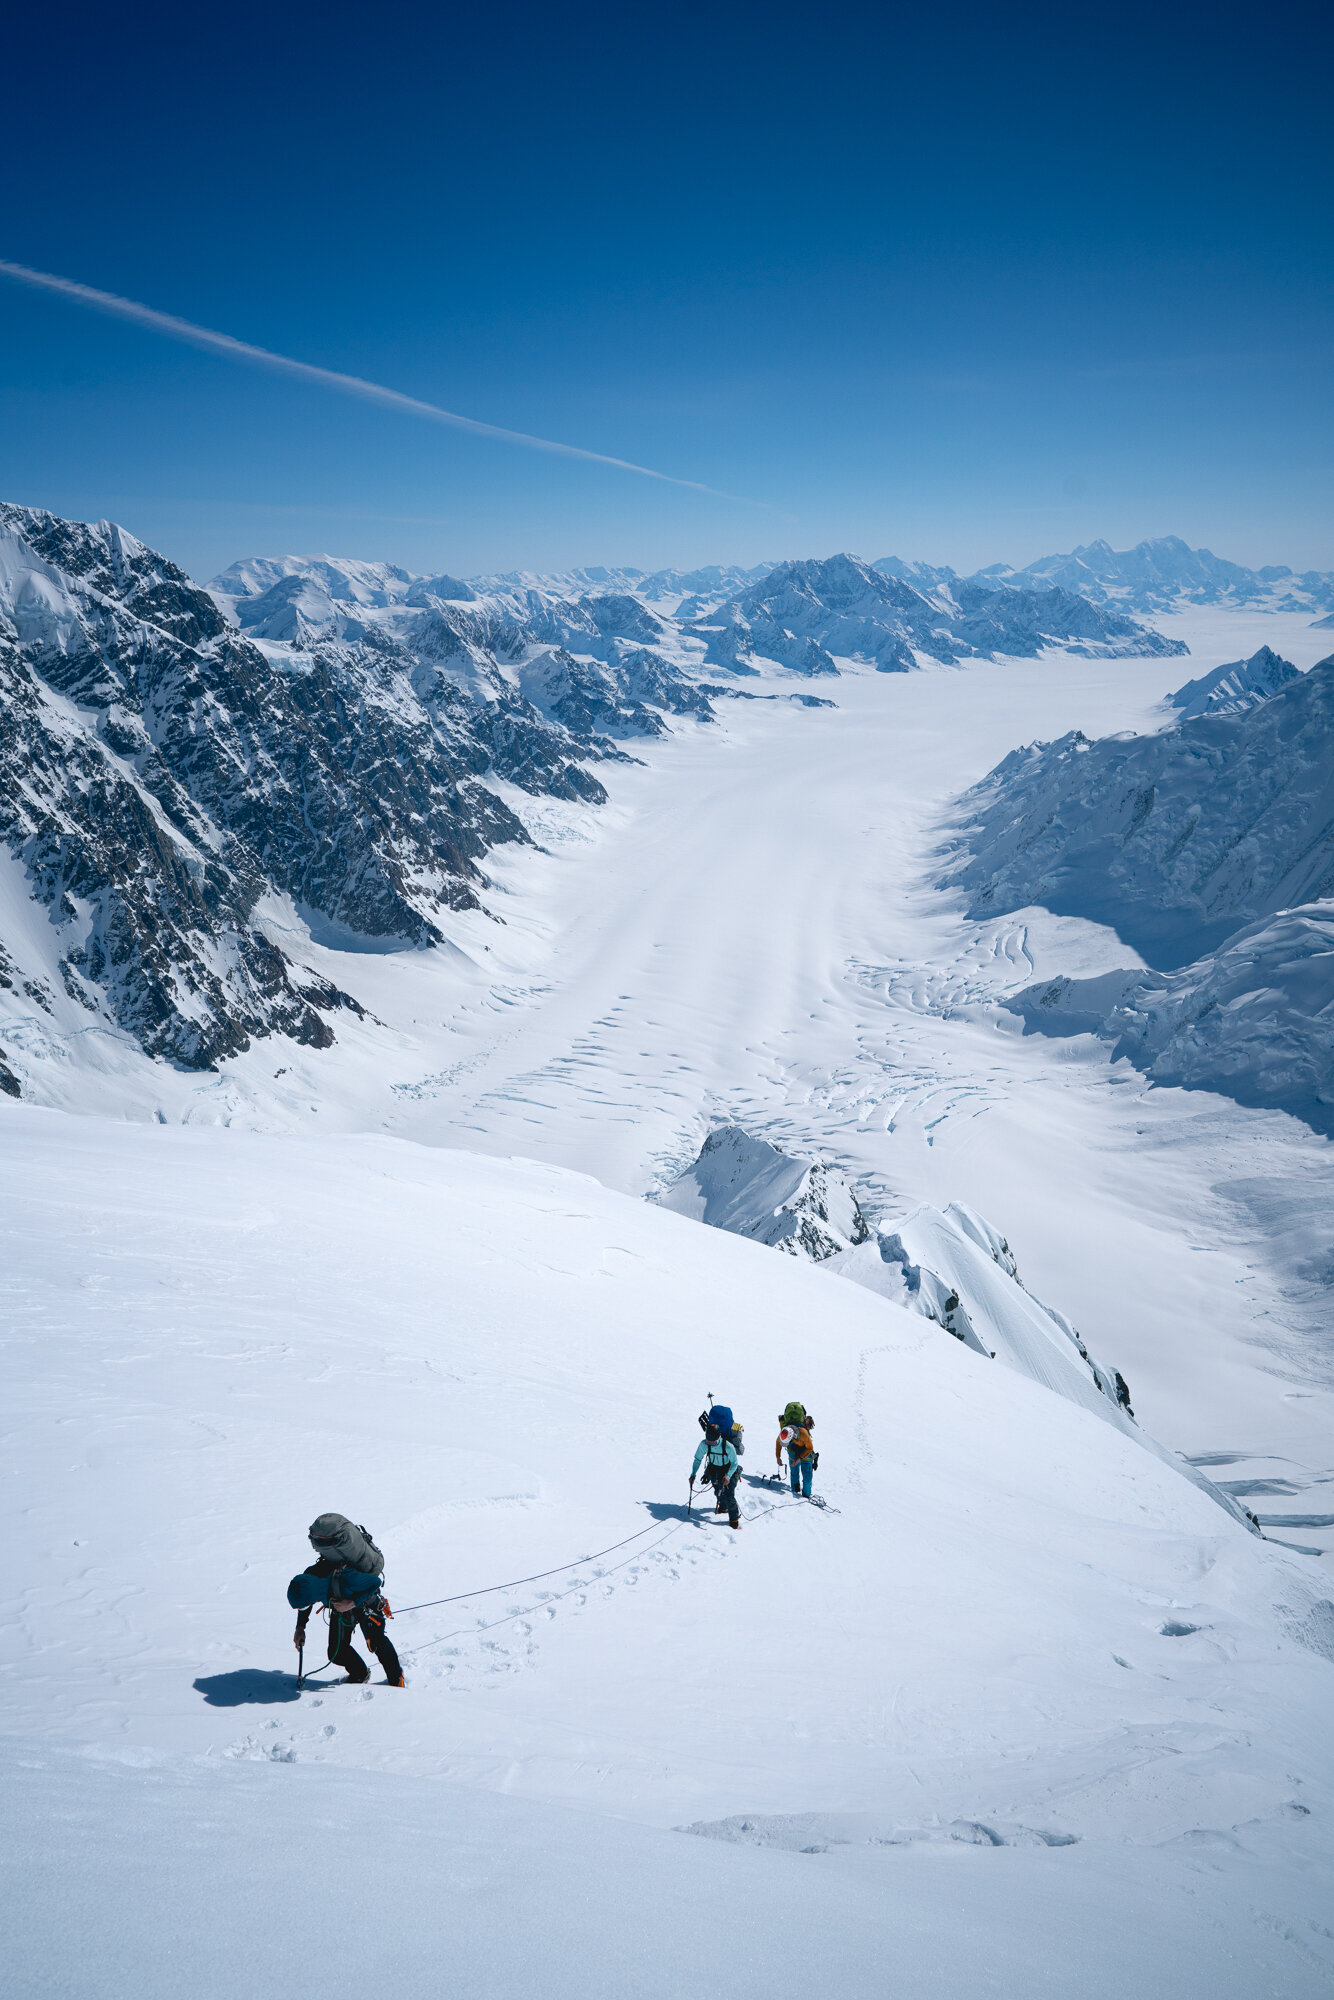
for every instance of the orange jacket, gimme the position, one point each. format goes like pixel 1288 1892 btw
pixel 798 1442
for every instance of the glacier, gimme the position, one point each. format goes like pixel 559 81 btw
pixel 670 948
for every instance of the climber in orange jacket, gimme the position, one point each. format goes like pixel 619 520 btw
pixel 795 1434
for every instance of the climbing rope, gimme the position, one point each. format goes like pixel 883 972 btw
pixel 489 1589
pixel 526 1610
pixel 519 1581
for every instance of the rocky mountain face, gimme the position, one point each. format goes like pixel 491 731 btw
pixel 163 775
pixel 804 1208
pixel 1237 685
pixel 1253 1020
pixel 1210 849
pixel 1175 840
pixel 802 616
pixel 325 730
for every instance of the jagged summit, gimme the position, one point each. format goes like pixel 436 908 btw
pixel 745 1185
pixel 1237 685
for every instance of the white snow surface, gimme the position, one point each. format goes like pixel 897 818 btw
pixel 1026 1671
pixel 938 1254
pixel 412 1278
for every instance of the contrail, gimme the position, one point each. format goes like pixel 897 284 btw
pixel 329 378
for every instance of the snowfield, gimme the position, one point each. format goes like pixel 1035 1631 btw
pixel 1029 1713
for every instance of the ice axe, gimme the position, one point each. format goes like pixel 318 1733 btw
pixel 301 1663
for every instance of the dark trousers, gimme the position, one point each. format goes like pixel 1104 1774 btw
pixel 342 1653
pixel 725 1489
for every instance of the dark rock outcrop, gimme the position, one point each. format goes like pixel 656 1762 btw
pixel 163 775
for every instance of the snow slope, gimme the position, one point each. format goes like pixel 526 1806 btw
pixel 1254 1019
pixel 1027 1672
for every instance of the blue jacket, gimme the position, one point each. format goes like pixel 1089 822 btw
pixel 308 1589
pixel 720 1453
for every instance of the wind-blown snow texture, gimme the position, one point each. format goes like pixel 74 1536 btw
pixel 1034 1673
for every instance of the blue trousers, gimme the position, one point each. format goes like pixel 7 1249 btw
pixel 801 1469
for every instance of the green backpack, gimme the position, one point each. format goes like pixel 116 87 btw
pixel 795 1413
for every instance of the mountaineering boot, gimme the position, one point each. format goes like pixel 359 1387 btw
pixel 399 1683
pixel 734 1524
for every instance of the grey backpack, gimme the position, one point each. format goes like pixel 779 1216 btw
pixel 335 1536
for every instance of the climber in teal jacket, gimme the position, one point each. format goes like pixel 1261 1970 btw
pixel 722 1473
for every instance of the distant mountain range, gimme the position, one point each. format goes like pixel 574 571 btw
pixel 805 616
pixel 1161 575
pixel 320 745
pixel 1158 575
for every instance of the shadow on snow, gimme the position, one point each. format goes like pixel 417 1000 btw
pixel 248 1684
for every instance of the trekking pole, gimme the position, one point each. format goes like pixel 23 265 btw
pixel 301 1663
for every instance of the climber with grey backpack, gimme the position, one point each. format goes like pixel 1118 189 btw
pixel 347 1578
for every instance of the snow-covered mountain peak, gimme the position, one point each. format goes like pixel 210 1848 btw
pixel 748 1187
pixel 343 579
pixel 1236 685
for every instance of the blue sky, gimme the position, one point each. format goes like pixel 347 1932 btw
pixel 960 282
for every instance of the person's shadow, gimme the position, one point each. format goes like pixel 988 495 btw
pixel 248 1684
pixel 667 1510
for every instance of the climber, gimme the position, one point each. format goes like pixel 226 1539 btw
pixel 802 1458
pixel 347 1577
pixel 721 1414
pixel 723 1469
